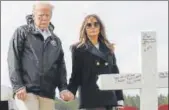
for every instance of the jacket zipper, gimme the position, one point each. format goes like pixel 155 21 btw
pixel 44 46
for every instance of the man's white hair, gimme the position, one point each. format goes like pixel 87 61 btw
pixel 42 5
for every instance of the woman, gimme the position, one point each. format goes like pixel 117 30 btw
pixel 91 56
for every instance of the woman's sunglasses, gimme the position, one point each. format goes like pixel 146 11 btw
pixel 95 24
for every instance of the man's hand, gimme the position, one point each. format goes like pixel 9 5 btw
pixel 66 95
pixel 21 94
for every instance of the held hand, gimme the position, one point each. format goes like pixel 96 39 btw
pixel 66 95
pixel 71 96
pixel 21 94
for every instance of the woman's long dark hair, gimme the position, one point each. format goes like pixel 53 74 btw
pixel 102 35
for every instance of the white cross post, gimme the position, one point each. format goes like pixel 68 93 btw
pixel 148 81
pixel 5 93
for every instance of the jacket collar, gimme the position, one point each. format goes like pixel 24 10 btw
pixel 32 28
pixel 102 52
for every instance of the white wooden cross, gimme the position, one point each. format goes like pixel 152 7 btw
pixel 148 81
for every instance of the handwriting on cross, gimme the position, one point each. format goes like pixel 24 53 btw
pixel 147 41
pixel 128 78
pixel 163 75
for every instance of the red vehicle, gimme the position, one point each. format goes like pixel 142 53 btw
pixel 163 107
pixel 129 108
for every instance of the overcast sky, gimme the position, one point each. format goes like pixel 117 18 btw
pixel 123 20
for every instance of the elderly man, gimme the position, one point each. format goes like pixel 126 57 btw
pixel 36 62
